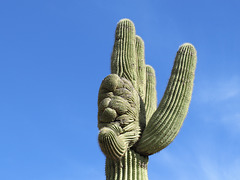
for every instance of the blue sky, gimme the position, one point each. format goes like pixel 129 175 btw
pixel 54 55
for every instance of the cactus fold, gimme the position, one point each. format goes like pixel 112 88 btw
pixel 131 126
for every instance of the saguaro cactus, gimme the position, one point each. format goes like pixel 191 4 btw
pixel 131 126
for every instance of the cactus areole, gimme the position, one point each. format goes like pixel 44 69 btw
pixel 131 126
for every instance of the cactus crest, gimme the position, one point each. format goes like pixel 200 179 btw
pixel 131 125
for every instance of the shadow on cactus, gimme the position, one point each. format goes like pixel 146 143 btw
pixel 131 125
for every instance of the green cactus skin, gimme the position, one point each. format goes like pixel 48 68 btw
pixel 132 166
pixel 131 127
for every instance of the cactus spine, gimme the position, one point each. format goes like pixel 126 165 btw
pixel 131 126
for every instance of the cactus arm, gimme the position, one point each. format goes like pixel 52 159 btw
pixel 167 120
pixel 123 60
pixel 141 79
pixel 141 68
pixel 151 93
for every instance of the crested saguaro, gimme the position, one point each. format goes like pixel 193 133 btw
pixel 131 126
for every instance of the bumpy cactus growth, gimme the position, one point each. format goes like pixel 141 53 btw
pixel 131 126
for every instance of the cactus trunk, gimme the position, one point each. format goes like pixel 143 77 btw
pixel 132 166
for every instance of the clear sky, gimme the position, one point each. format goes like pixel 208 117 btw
pixel 54 55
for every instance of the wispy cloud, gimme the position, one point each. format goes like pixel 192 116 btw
pixel 219 171
pixel 217 90
pixel 206 159
pixel 217 102
pixel 232 121
pixel 200 165
pixel 209 168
